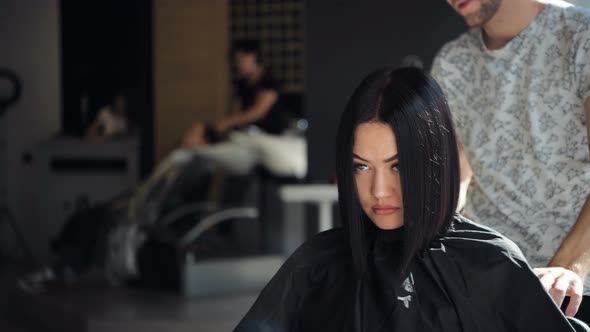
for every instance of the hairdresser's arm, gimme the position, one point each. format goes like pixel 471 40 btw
pixel 465 176
pixel 195 135
pixel 569 267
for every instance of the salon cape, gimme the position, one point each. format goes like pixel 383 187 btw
pixel 472 279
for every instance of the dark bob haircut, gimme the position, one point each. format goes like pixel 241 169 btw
pixel 414 106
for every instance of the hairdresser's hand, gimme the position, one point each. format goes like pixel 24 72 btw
pixel 561 282
pixel 221 126
pixel 195 136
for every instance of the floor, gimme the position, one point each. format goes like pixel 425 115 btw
pixel 96 307
pixel 8 322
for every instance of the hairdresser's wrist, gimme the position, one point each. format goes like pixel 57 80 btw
pixel 573 265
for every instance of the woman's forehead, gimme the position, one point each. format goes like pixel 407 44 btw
pixel 375 140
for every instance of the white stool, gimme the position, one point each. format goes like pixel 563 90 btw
pixel 294 197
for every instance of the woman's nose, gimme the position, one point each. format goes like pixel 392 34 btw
pixel 382 185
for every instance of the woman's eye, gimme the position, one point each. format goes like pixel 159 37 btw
pixel 395 167
pixel 359 167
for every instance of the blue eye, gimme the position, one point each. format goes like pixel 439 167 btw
pixel 359 167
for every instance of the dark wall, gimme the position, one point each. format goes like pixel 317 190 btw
pixel 345 40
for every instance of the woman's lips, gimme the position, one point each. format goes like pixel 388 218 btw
pixel 385 209
pixel 463 3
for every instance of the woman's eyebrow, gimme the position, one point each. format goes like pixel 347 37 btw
pixel 358 157
pixel 392 158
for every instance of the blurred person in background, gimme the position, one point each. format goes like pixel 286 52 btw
pixel 252 135
pixel 111 120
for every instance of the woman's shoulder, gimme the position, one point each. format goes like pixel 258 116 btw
pixel 326 253
pixel 322 250
pixel 473 238
pixel 316 277
pixel 268 82
pixel 322 261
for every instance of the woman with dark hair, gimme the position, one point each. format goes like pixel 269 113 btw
pixel 404 260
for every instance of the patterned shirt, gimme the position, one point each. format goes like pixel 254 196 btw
pixel 519 112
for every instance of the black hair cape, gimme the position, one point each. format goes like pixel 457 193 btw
pixel 470 279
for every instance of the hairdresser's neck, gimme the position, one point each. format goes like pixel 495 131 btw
pixel 512 17
pixel 256 74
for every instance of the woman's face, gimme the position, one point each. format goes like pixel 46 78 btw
pixel 375 167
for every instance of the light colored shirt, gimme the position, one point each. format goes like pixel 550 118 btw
pixel 111 123
pixel 519 113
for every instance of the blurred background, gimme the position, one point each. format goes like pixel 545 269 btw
pixel 160 66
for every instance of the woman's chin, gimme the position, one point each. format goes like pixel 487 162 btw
pixel 387 224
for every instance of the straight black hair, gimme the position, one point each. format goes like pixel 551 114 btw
pixel 414 106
